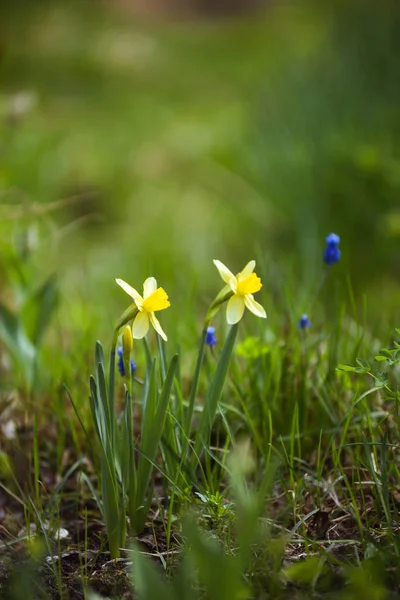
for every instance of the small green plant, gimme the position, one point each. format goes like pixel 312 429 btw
pixel 217 513
pixel 381 379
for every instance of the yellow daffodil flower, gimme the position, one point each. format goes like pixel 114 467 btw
pixel 243 286
pixel 153 299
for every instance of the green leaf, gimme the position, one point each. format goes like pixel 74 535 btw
pixel 155 409
pixel 386 352
pixel 97 409
pixel 99 354
pixel 304 572
pixel 147 581
pixel 381 379
pixel 113 509
pixel 6 469
pixel 195 383
pixel 149 360
pixel 347 368
pixel 364 364
pixel 214 393
pixel 18 344
pixel 103 399
pixel 38 309
pixel 218 571
pixel 127 446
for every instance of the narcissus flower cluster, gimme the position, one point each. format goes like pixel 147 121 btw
pixel 238 293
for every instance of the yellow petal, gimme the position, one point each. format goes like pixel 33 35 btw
pixel 254 307
pixel 130 291
pixel 158 300
pixel 249 268
pixel 235 309
pixel 249 285
pixel 156 324
pixel 140 325
pixel 225 273
pixel 149 287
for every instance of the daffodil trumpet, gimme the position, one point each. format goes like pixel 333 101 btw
pixel 238 292
pixel 143 308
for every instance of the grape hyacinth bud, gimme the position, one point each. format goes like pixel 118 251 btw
pixel 121 365
pixel 211 340
pixel 332 253
pixel 304 322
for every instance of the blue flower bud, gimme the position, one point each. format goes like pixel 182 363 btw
pixel 121 364
pixel 332 238
pixel 211 340
pixel 332 253
pixel 304 322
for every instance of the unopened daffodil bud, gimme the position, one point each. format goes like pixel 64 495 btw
pixel 127 342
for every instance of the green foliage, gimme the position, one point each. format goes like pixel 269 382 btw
pixel 252 348
pixel 22 331
pixel 216 508
pixel 17 342
pixel 381 378
pixel 305 572
pixel 125 478
pixel 206 561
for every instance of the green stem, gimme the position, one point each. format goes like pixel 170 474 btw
pixel 36 467
pixel 163 359
pixel 195 385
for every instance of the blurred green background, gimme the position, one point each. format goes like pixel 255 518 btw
pixel 160 139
